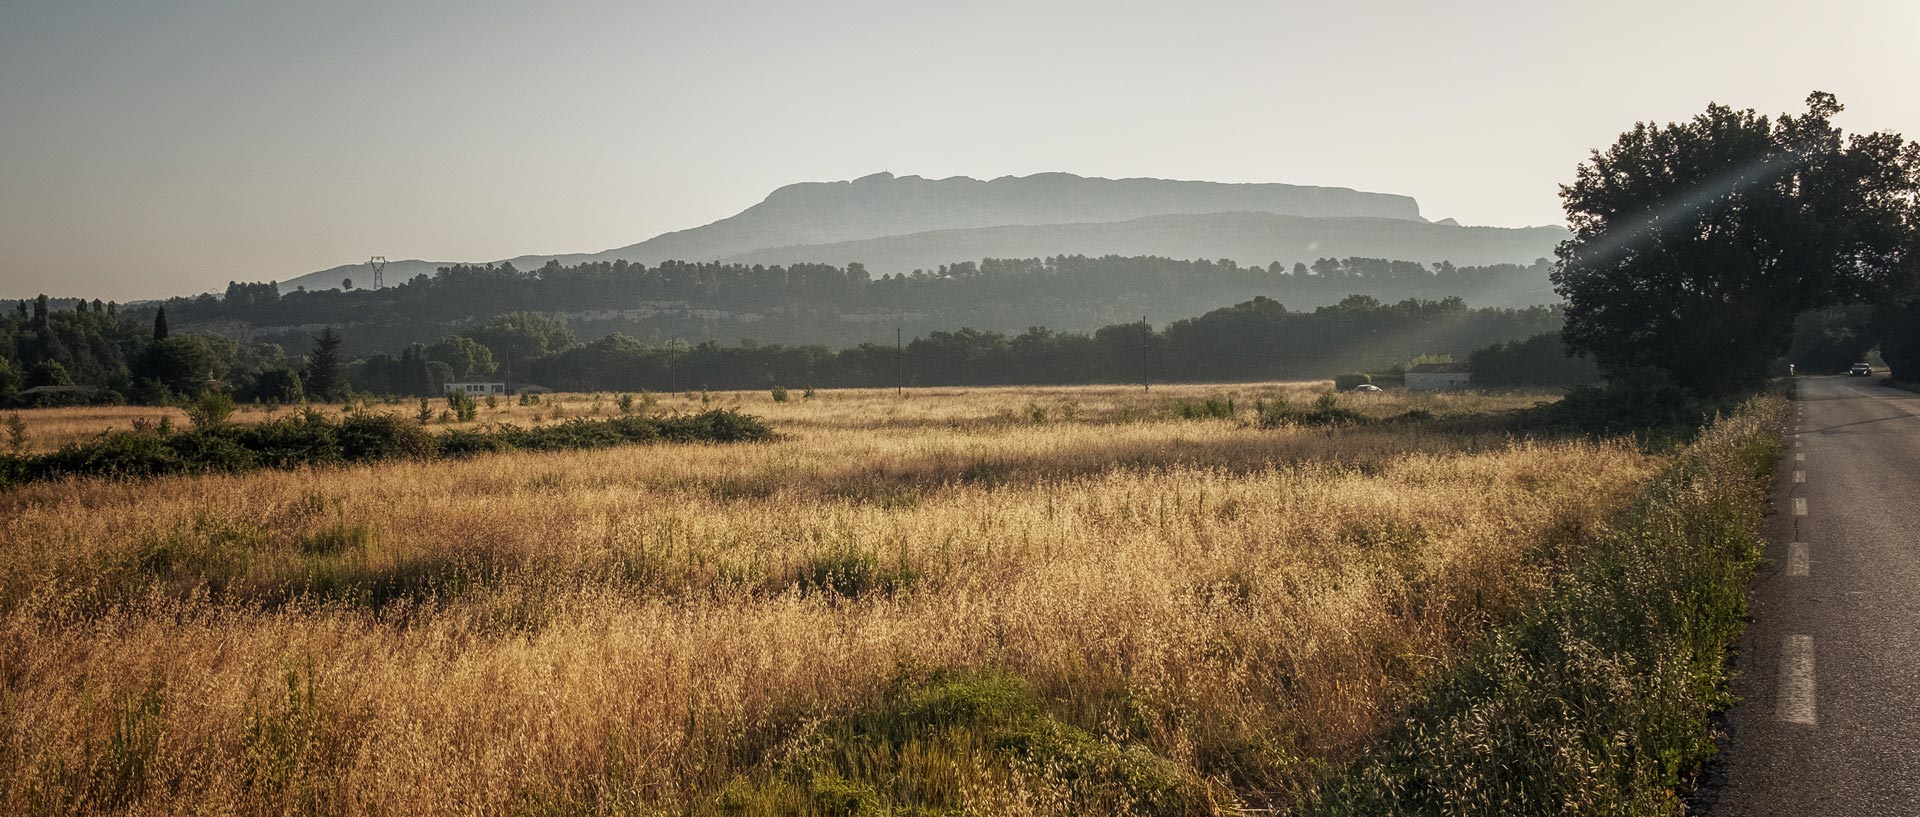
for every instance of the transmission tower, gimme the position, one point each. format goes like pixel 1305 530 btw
pixel 378 263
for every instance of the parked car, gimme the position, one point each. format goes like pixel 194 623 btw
pixel 1368 388
pixel 1860 370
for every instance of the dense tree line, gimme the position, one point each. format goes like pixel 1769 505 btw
pixel 1257 339
pixel 90 352
pixel 1541 360
pixel 146 360
pixel 836 305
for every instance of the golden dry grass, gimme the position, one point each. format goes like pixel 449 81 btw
pixel 628 630
pixel 50 428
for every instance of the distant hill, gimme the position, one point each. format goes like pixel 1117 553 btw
pixel 880 205
pixel 1246 237
pixel 396 272
pixel 885 205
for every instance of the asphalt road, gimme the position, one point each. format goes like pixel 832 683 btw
pixel 1829 671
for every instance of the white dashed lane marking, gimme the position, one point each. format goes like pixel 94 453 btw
pixel 1799 506
pixel 1799 476
pixel 1796 704
pixel 1797 559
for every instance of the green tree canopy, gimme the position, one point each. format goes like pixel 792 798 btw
pixel 1697 244
pixel 463 355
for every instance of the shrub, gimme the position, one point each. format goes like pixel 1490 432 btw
pixel 463 406
pixel 1326 411
pixel 125 454
pixel 366 437
pixel 209 450
pixel 779 393
pixel 210 410
pixel 1212 408
pixel 310 438
pixel 463 443
pixel 305 439
pixel 16 433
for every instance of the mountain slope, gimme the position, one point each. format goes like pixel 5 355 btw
pixel 1018 216
pixel 396 272
pixel 883 205
pixel 1249 238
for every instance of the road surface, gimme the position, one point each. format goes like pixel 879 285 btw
pixel 1829 671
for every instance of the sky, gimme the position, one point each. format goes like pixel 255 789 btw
pixel 151 149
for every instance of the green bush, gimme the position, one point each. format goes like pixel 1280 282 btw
pixel 1211 408
pixel 367 437
pixel 464 443
pixel 463 406
pixel 305 439
pixel 311 439
pixel 1326 411
pixel 210 410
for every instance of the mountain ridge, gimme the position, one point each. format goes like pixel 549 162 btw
pixel 835 216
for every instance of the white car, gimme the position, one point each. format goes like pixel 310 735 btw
pixel 1368 388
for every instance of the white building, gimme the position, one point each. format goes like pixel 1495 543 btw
pixel 477 388
pixel 1437 376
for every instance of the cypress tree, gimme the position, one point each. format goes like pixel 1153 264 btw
pixel 326 370
pixel 160 324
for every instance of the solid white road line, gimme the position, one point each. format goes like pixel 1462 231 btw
pixel 1797 559
pixel 1799 506
pixel 1795 704
pixel 1799 476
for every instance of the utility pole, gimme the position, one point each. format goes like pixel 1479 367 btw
pixel 1145 388
pixel 379 265
pixel 899 383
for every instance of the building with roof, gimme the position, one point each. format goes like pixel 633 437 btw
pixel 1438 376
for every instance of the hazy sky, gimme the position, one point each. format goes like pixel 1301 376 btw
pixel 153 148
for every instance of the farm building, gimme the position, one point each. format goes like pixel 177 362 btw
pixel 1436 376
pixel 477 388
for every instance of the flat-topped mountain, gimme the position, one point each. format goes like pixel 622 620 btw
pixel 884 205
pixel 894 223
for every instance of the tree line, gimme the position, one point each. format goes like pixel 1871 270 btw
pixel 837 305
pixel 74 351
pixel 126 359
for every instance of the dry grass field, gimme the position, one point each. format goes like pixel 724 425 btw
pixel 48 429
pixel 999 601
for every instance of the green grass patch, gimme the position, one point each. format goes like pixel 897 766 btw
pixel 944 743
pixel 1599 700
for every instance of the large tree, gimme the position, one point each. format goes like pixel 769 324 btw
pixel 1696 244
pixel 326 375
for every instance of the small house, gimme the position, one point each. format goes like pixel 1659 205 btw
pixel 476 388
pixel 1438 376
